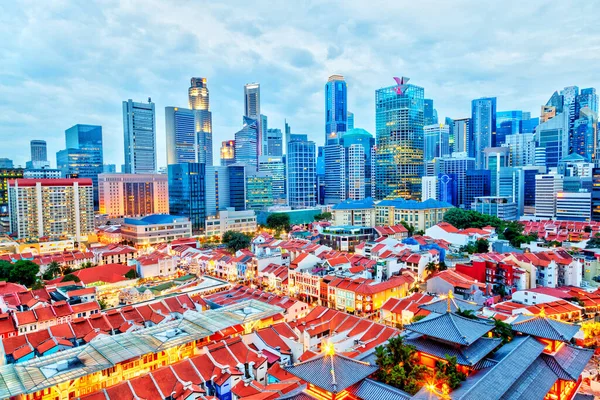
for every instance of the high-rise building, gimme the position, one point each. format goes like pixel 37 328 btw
pixel 336 109
pixel 38 150
pixel 546 188
pixel 430 116
pixel 54 208
pixel 529 174
pixel 259 191
pixel 436 139
pixel 451 137
pixel 252 111
pixel 399 137
pixel 237 185
pixel 276 167
pixel 359 147
pixel 301 172
pixel 511 186
pixel 7 174
pixel 350 124
pixel 494 159
pixel 455 168
pixel 199 103
pixel 227 152
pixel 181 139
pixel 574 206
pixel 109 169
pixel 274 143
pixel 139 131
pixel 483 126
pixel 496 206
pixel 508 123
pixel 83 156
pixel 217 189
pixel 552 136
pixel 321 175
pixel 596 194
pixel 429 188
pixel 585 136
pixel 463 138
pixel 187 191
pixel 521 147
pixel 133 195
pixel 588 98
pixel 246 143
pixel 335 173
pixel 477 184
pixel 42 173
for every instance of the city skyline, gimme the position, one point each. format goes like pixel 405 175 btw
pixel 370 48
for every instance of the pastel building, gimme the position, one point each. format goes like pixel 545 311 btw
pixel 133 195
pixel 153 229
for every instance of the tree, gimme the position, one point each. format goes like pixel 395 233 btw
pixel 446 372
pixel 480 246
pixel 466 313
pixel 70 278
pixel 131 274
pixel 502 330
pixel 417 318
pixel 235 241
pixel 278 222
pixel 463 219
pixel 431 267
pixel 399 366
pixel 52 271
pixel 587 229
pixel 324 216
pixel 86 264
pixel 409 227
pixel 5 268
pixel 102 304
pixel 442 266
pixel 24 272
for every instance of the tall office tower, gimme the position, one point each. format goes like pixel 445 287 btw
pixel 252 110
pixel 38 151
pixel 511 185
pixel 181 138
pixel 529 174
pixel 274 143
pixel 7 174
pixel 42 173
pixel 227 152
pixel 451 137
pixel 429 188
pixel 259 190
pixel 246 143
pixel 263 134
pixel 588 98
pixel 321 175
pixel 359 146
pixel 546 188
pixel 356 168
pixel 336 109
pixel 508 123
pixel 494 159
pixel 139 132
pixel 287 132
pixel 528 125
pixel 553 137
pixel 301 172
pixel 276 167
pixel 521 147
pixel 569 95
pixel 199 103
pixel 187 191
pixel 83 156
pixel 237 185
pixel 455 168
pixel 436 139
pixel 350 124
pixel 217 189
pixel 477 184
pixel 335 173
pixel 585 136
pixel 574 206
pixel 463 139
pixel 430 116
pixel 399 136
pixel 596 194
pixel 483 126
pixel 51 207
pixel 133 195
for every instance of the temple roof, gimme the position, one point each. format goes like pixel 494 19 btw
pixel 569 361
pixel 544 327
pixel 320 372
pixel 441 306
pixel 370 389
pixel 465 355
pixel 452 328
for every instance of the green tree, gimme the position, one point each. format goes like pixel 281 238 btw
pixel 325 216
pixel 431 267
pixel 466 313
pixel 24 272
pixel 503 331
pixel 102 304
pixel 235 241
pixel 52 271
pixel 409 227
pixel 5 268
pixel 463 219
pixel 86 264
pixel 278 222
pixel 417 318
pixel 399 366
pixel 447 372
pixel 131 274
pixel 480 246
pixel 442 266
pixel 70 278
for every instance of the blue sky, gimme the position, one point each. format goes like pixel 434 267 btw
pixel 64 62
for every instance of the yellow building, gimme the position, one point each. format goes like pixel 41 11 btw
pixel 420 214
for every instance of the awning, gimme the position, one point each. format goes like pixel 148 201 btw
pixel 271 357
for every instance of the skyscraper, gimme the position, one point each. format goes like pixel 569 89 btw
pixel 521 148
pixel 436 140
pixel 83 156
pixel 227 152
pixel 588 98
pixel 455 168
pixel 187 191
pixel 399 138
pixel 246 143
pixel 358 151
pixel 585 135
pixel 133 195
pixel 463 136
pixel 252 110
pixel 336 111
pixel 483 126
pixel 350 123
pixel 335 173
pixel 430 116
pixel 199 103
pixel 274 143
pixel 181 138
pixel 552 136
pixel 276 167
pixel 139 132
pixel 217 189
pixel 259 190
pixel 38 150
pixel 302 172
pixel 546 188
pixel 507 123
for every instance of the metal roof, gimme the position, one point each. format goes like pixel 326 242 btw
pixel 451 328
pixel 43 372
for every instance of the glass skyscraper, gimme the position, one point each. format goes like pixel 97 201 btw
pixel 227 152
pixel 429 113
pixel 187 190
pixel 276 167
pixel 336 109
pixel 139 133
pixel 237 186
pixel 436 142
pixel 483 126
pixel 252 110
pixel 83 157
pixel 38 150
pixel 399 138
pixel 553 137
pixel 274 144
pixel 199 103
pixel 302 172
pixel 181 138
pixel 246 143
pixel 463 136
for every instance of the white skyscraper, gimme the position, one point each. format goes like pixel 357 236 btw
pixel 429 188
pixel 546 188
pixel 356 172
pixel 139 131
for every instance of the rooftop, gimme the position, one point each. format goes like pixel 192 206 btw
pixel 155 219
pixel 414 205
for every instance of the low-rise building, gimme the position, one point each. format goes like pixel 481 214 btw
pixel 153 229
pixel 155 264
pixel 354 213
pixel 420 214
pixel 497 206
pixel 345 238
pixel 114 254
pixel 231 220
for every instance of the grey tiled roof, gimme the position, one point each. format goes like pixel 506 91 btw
pixel 514 360
pixel 533 384
pixel 441 306
pixel 465 355
pixel 569 361
pixel 451 328
pixel 318 372
pixel 546 328
pixel 297 394
pixel 370 389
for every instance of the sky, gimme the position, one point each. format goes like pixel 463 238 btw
pixel 65 62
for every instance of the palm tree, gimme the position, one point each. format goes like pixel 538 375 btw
pixel 503 331
pixel 431 267
pixel 52 270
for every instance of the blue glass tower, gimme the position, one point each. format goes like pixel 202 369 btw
pixel 336 109
pixel 302 172
pixel 246 143
pixel 237 186
pixel 187 193
pixel 181 135
pixel 483 126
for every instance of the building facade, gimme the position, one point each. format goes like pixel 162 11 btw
pixel 247 142
pixel 231 220
pixel 546 188
pixel 139 132
pixel 153 229
pixel 38 151
pixel 336 109
pixel 199 103
pixel 133 195
pixel 483 126
pixel 301 172
pixel 277 168
pixel 187 190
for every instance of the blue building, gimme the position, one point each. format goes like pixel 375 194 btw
pixel 448 189
pixel 187 193
pixel 483 127
pixel 430 116
pixel 246 143
pixel 237 186
pixel 139 133
pixel 181 137
pixel 553 137
pixel 83 156
pixel 336 109
pixel 399 137
pixel 302 172
pixel 477 184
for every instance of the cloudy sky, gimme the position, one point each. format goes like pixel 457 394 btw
pixel 64 62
